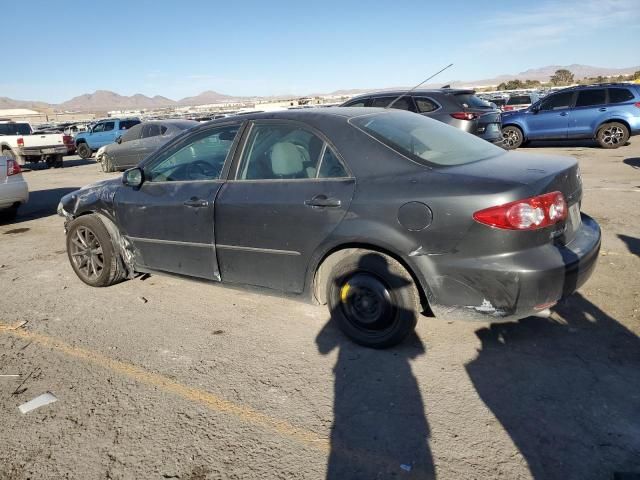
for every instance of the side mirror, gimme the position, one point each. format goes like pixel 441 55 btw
pixel 133 177
pixel 118 139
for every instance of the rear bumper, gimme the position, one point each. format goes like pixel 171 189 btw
pixel 13 192
pixel 512 286
pixel 39 151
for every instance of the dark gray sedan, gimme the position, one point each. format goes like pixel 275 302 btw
pixel 381 214
pixel 140 141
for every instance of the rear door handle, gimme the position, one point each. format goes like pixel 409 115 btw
pixel 196 203
pixel 603 109
pixel 323 201
pixel 563 114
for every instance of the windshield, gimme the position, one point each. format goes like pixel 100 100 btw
pixel 424 140
pixel 15 129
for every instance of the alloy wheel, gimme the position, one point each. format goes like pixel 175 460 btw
pixel 612 135
pixel 510 137
pixel 86 252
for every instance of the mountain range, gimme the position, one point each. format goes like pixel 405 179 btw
pixel 104 100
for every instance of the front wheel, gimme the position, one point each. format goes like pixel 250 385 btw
pixel 512 138
pixel 107 164
pixel 83 151
pixel 373 299
pixel 612 135
pixel 91 253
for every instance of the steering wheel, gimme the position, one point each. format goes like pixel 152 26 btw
pixel 199 169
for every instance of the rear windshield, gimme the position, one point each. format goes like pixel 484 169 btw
pixel 519 100
pixel 469 100
pixel 15 129
pixel 424 140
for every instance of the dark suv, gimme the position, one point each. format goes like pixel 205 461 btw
pixel 458 108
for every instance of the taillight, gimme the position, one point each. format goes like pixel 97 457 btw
pixel 13 168
pixel 508 108
pixel 67 139
pixel 20 142
pixel 527 214
pixel 637 104
pixel 465 115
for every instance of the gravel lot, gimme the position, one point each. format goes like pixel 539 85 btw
pixel 167 378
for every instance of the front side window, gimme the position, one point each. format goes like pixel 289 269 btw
pixel 424 140
pixel 150 130
pixel 132 134
pixel 286 152
pixel 98 128
pixel 557 101
pixel 620 95
pixel 588 98
pixel 202 158
pixel 357 103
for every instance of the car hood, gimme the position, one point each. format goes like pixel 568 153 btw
pixel 95 197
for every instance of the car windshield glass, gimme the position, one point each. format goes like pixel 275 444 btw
pixel 424 140
pixel 469 100
pixel 15 129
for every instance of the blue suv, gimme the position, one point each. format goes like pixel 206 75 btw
pixel 102 133
pixel 608 113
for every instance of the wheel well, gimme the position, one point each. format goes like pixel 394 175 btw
pixel 333 256
pixel 612 120
pixel 82 140
pixel 514 125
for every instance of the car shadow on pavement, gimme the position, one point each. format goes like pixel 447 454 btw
pixel 566 389
pixel 76 162
pixel 632 243
pixel 42 203
pixel 379 426
pixel 633 162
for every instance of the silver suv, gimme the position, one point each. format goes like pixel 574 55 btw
pixel 456 107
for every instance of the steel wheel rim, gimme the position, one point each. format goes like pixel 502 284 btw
pixel 510 137
pixel 87 253
pixel 612 135
pixel 366 301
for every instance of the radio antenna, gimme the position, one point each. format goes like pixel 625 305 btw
pixel 411 90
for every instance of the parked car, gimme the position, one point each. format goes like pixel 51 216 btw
pixel 102 133
pixel 456 107
pixel 14 190
pixel 140 141
pixel 19 142
pixel 608 113
pixel 520 101
pixel 440 221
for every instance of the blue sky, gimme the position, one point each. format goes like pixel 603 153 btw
pixel 178 49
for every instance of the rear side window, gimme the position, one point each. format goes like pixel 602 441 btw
pixel 330 166
pixel 588 98
pixel 402 104
pixel 127 124
pixel 557 101
pixel 469 100
pixel 108 126
pixel 425 105
pixel 620 95
pixel 519 100
pixel 424 140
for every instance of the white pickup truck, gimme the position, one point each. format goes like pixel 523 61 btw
pixel 18 142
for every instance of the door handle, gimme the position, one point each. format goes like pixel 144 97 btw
pixel 563 114
pixel 196 203
pixel 603 109
pixel 323 201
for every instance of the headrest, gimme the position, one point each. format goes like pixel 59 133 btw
pixel 286 159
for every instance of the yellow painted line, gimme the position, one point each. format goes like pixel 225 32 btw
pixel 211 401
